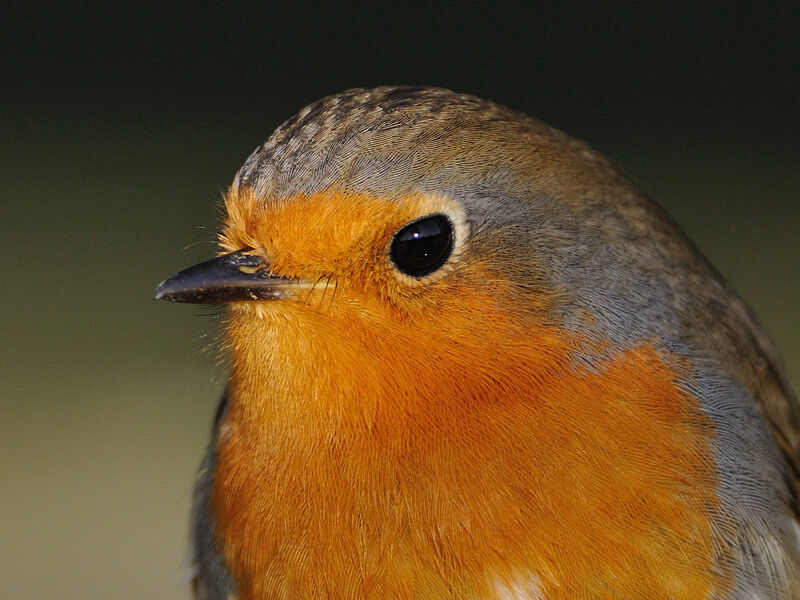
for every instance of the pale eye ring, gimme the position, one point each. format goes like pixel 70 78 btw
pixel 423 246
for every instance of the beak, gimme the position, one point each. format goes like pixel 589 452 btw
pixel 232 277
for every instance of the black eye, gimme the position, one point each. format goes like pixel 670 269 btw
pixel 422 246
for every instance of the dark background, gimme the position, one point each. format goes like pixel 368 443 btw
pixel 121 125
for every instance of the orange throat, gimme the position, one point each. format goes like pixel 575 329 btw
pixel 397 461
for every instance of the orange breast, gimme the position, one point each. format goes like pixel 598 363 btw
pixel 420 457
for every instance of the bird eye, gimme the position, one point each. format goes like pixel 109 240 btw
pixel 422 246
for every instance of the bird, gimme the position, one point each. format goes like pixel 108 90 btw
pixel 469 359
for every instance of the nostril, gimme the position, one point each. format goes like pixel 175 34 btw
pixel 251 270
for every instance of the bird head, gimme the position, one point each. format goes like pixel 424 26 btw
pixel 411 239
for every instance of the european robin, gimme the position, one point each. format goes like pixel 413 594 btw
pixel 470 360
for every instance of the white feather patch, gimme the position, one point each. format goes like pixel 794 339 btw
pixel 527 588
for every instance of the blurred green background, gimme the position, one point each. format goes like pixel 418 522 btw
pixel 120 126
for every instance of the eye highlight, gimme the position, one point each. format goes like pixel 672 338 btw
pixel 422 246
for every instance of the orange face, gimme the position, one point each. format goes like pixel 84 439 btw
pixel 437 437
